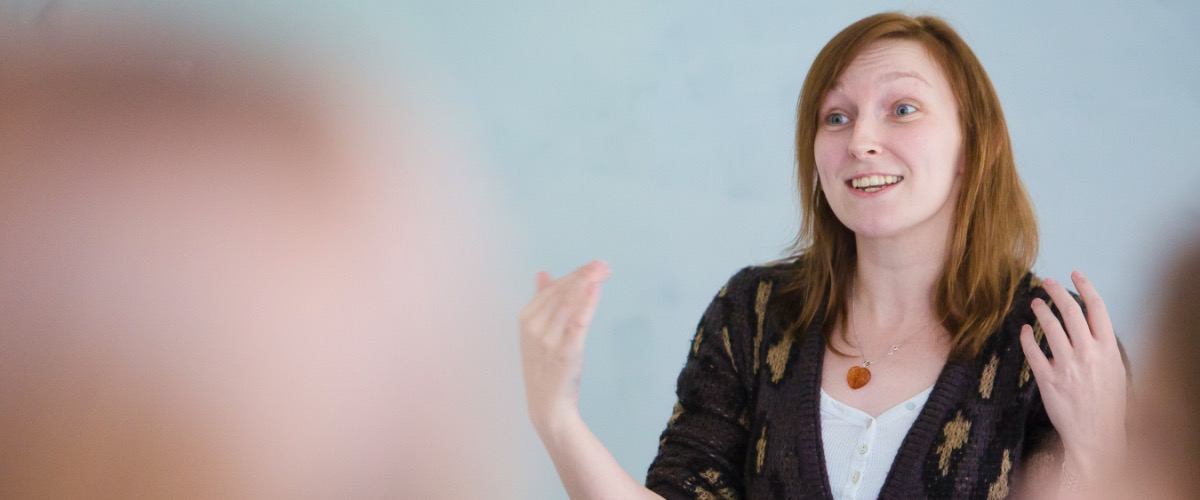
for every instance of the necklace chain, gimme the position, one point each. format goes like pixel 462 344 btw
pixel 895 347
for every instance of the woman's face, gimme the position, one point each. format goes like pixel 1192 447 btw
pixel 889 146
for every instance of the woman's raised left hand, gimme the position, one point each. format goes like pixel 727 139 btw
pixel 1083 384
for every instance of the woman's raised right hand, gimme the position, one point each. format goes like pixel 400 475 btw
pixel 553 327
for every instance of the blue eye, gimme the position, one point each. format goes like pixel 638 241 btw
pixel 905 109
pixel 837 119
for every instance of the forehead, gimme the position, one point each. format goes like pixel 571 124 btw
pixel 891 61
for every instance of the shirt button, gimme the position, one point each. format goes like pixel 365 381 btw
pixel 862 450
pixel 910 406
pixel 855 477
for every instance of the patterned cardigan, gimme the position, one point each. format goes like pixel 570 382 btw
pixel 747 422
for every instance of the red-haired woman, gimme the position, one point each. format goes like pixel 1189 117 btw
pixel 904 350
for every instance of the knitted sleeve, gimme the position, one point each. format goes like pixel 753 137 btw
pixel 702 452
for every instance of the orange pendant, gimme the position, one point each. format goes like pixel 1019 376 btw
pixel 858 376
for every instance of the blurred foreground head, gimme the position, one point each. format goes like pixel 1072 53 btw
pixel 221 278
pixel 1166 442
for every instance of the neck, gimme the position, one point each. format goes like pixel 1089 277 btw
pixel 895 278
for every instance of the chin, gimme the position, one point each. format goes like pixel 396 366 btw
pixel 897 221
pixel 875 228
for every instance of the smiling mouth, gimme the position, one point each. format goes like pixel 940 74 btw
pixel 873 183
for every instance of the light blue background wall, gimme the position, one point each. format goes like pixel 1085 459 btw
pixel 657 135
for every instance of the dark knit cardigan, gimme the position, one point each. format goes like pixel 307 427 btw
pixel 747 423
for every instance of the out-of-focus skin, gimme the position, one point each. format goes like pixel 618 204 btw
pixel 1165 440
pixel 218 280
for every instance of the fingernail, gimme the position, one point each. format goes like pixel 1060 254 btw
pixel 1049 281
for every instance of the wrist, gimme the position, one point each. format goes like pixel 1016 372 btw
pixel 1068 480
pixel 1094 463
pixel 555 427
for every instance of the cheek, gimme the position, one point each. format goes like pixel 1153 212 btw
pixel 948 143
pixel 828 150
pixel 934 147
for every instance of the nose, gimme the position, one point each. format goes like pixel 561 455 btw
pixel 864 139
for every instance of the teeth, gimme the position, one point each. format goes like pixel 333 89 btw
pixel 872 183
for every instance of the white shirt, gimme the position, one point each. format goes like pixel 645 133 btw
pixel 859 449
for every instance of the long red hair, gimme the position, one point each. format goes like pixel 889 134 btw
pixel 994 236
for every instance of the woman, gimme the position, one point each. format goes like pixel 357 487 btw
pixel 895 353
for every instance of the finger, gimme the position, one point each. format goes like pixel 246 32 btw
pixel 545 307
pixel 546 287
pixel 536 306
pixel 574 297
pixel 596 269
pixel 538 317
pixel 1034 355
pixel 1060 345
pixel 1097 315
pixel 1072 315
pixel 578 326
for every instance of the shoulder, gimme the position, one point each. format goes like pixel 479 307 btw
pixel 770 272
pixel 1021 312
pixel 759 281
pixel 1031 287
pixel 1003 352
pixel 752 295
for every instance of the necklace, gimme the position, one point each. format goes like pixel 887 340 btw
pixel 859 375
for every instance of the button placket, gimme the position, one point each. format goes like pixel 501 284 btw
pixel 861 457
